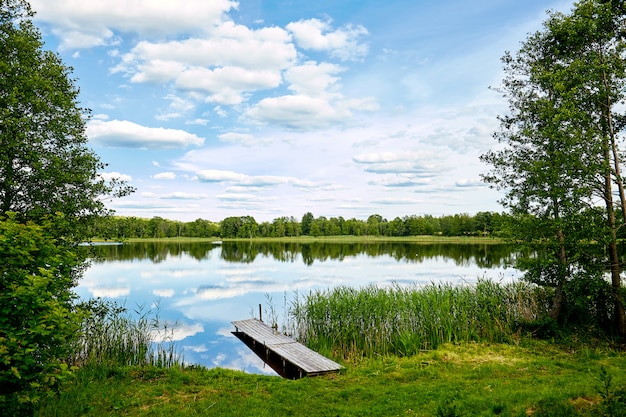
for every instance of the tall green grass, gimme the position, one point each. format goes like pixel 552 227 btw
pixel 113 336
pixel 401 320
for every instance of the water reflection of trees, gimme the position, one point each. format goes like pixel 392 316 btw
pixel 482 255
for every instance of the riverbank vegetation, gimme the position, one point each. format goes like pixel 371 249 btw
pixel 438 350
pixel 246 227
pixel 538 378
pixel 435 350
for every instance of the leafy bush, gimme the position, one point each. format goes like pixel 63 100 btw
pixel 37 318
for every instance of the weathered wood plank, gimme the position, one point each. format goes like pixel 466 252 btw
pixel 281 350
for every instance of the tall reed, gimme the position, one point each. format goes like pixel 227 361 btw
pixel 403 320
pixel 112 336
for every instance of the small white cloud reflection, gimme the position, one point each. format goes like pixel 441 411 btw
pixel 245 360
pixel 198 349
pixel 225 331
pixel 175 332
pixel 111 292
pixel 165 293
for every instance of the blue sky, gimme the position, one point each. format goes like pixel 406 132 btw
pixel 276 108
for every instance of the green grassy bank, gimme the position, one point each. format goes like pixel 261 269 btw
pixel 434 350
pixel 332 239
pixel 471 379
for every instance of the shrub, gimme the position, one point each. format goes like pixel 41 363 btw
pixel 37 318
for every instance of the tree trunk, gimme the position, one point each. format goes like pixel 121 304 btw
pixel 616 280
pixel 619 319
pixel 559 294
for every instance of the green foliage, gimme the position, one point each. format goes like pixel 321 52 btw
pixel 45 163
pixel 242 227
pixel 111 336
pixel 613 400
pixel 46 168
pixel 561 157
pixel 37 319
pixel 473 379
pixel 346 322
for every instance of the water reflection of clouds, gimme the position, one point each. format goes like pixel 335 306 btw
pixel 203 297
pixel 165 293
pixel 110 292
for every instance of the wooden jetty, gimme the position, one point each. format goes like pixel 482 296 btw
pixel 284 355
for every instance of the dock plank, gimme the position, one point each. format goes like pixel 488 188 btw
pixel 257 334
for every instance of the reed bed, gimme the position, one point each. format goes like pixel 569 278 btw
pixel 113 336
pixel 403 320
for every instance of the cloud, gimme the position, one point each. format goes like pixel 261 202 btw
pixel 234 62
pixel 400 181
pixel 343 43
pixel 470 183
pixel 312 78
pixel 111 292
pixel 212 175
pixel 108 176
pixel 317 102
pixel 165 293
pixel 298 112
pixel 125 134
pixel 165 176
pixel 394 201
pixel 176 332
pixel 244 198
pixel 244 180
pixel 80 24
pixel 233 137
pixel 418 164
pixel 175 196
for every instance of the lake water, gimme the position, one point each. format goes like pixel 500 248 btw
pixel 202 287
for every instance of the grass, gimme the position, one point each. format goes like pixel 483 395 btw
pixel 399 320
pixel 335 239
pixel 469 379
pixel 111 336
pixel 439 350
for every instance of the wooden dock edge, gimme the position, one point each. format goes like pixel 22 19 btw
pixel 285 356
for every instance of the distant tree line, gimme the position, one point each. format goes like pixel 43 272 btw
pixel 480 224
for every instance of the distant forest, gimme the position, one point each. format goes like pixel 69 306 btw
pixel 480 224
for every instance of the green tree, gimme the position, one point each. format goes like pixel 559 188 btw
pixel 307 220
pixel 561 145
pixel 45 165
pixel 46 168
pixel 37 317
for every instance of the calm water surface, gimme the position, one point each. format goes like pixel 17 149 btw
pixel 203 287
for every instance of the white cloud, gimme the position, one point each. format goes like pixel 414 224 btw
pixel 470 183
pixel 226 66
pixel 212 175
pixel 298 112
pixel 165 293
pixel 313 79
pixel 165 176
pixel 108 176
pixel 176 332
pixel 244 180
pixel 422 164
pixel 245 197
pixel 81 24
pixel 403 180
pixel 316 104
pixel 199 122
pixel 175 196
pixel 243 138
pixel 343 43
pixel 125 134
pixel 111 292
